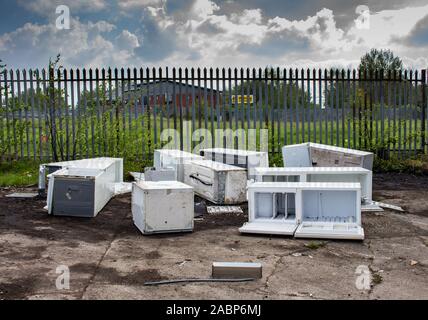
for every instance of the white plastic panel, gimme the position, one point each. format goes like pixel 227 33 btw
pixel 175 159
pixel 257 227
pixel 329 231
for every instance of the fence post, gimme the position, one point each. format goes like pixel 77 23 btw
pixel 424 107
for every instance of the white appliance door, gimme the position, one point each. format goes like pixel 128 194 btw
pixel 275 228
pixel 330 231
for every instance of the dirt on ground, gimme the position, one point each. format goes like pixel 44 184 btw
pixel 108 258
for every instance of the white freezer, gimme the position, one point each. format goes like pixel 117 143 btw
pixel 320 155
pixel 305 209
pixel 162 206
pixel 83 187
pixel 242 158
pixel 175 159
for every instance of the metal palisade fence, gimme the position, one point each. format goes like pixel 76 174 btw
pixel 68 114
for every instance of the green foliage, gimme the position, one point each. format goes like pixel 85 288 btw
pixel 377 60
pixel 18 173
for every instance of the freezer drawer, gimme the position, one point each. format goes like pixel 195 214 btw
pixel 274 228
pixel 329 231
pixel 175 159
pixel 246 159
pixel 162 207
pixel 217 182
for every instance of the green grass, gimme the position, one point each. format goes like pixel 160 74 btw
pixel 19 173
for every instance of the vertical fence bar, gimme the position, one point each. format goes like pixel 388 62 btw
pixel 284 88
pixel 60 116
pixel 224 111
pixel 297 109
pixel 98 111
pixel 6 106
pixel 405 102
pixel 211 106
pixel 217 101
pixel 414 112
pixel 337 105
pixel 180 105
pixel 2 136
pixel 148 110
pixel 143 140
pixel 348 106
pixel 26 109
pixel 205 105
pixel 154 107
pixel 79 114
pixel 39 115
pixel 13 111
pixel 394 82
pixel 168 111
pixel 272 110
pixel 424 107
pixel 18 82
pixel 260 100
pixel 400 114
pixel 186 105
pixel 342 105
pixel 303 103
pixel 200 93
pixel 382 112
pixel 90 109
pixel 66 115
pixel 161 102
pixel 110 143
pixel 320 107
pixel 73 116
pixel 290 107
pixel 192 75
pixel 46 113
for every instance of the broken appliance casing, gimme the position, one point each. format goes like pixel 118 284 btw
pixel 305 209
pixel 83 187
pixel 323 174
pixel 162 206
pixel 320 155
pixel 241 158
pixel 159 174
pixel 175 159
pixel 217 182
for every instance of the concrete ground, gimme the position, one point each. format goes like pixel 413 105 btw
pixel 109 259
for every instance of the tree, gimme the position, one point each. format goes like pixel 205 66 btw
pixel 380 60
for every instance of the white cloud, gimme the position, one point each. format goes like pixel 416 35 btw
pixel 203 8
pixel 127 40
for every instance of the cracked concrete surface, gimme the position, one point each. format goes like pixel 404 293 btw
pixel 109 259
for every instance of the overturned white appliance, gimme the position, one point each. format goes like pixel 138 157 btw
pixel 92 163
pixel 162 206
pixel 217 182
pixel 159 174
pixel 242 158
pixel 83 191
pixel 323 174
pixel 305 209
pixel 175 159
pixel 320 155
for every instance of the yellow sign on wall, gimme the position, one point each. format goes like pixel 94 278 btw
pixel 242 99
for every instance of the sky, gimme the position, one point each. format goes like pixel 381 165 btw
pixel 211 33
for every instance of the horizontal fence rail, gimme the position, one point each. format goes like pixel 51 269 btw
pixel 69 114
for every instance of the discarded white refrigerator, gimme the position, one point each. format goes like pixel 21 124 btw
pixel 175 159
pixel 242 158
pixel 159 174
pixel 162 206
pixel 323 174
pixel 320 155
pixel 217 182
pixel 305 209
pixel 84 190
